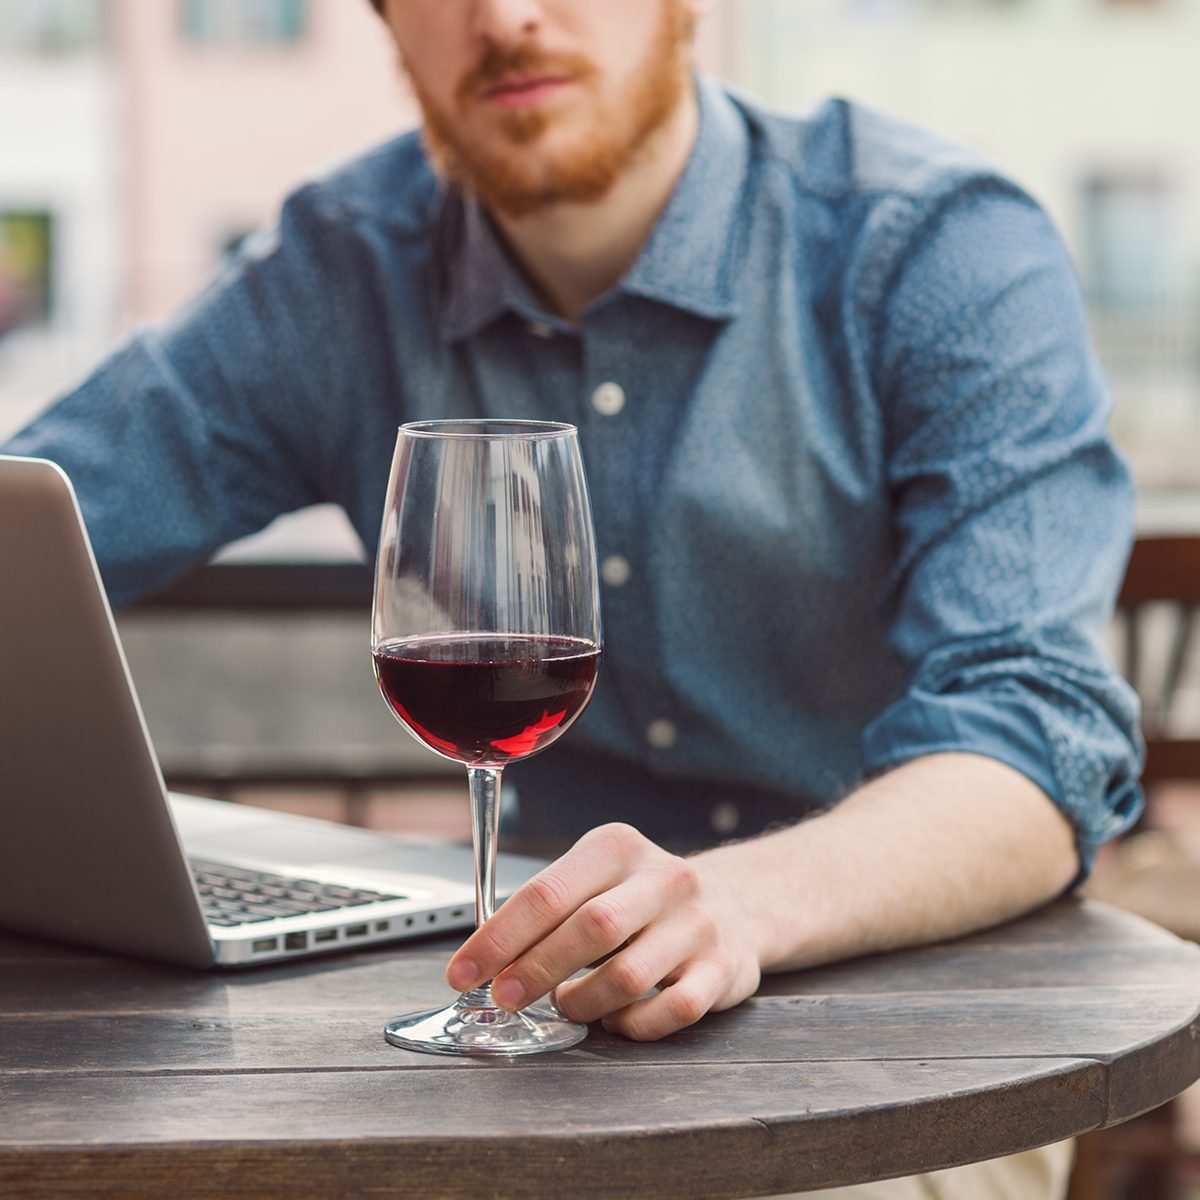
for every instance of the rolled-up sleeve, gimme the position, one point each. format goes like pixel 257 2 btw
pixel 1013 514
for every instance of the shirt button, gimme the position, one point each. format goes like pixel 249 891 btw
pixel 541 329
pixel 608 399
pixel 615 570
pixel 724 817
pixel 661 734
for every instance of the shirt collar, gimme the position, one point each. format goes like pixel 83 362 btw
pixel 689 261
pixel 482 281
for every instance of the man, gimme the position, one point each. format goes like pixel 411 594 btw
pixel 859 520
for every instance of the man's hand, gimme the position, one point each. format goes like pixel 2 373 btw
pixel 936 848
pixel 664 920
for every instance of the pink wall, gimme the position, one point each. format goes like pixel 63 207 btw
pixel 214 138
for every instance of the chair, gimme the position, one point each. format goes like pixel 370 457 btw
pixel 1163 572
pixel 1156 871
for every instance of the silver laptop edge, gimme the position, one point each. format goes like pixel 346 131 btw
pixel 92 849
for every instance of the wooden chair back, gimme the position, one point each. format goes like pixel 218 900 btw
pixel 1163 572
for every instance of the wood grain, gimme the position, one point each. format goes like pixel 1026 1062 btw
pixel 692 1131
pixel 119 1077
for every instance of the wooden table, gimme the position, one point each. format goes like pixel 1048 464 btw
pixel 124 1078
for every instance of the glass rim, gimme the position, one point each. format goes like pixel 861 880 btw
pixel 473 428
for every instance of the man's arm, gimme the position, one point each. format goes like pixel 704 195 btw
pixel 1011 753
pixel 202 431
pixel 938 847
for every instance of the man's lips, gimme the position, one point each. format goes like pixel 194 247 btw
pixel 525 91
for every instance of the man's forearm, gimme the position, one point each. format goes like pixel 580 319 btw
pixel 936 848
pixel 942 845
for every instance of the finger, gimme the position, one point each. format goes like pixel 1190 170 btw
pixel 675 1007
pixel 598 927
pixel 595 863
pixel 655 955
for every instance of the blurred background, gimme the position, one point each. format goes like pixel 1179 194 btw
pixel 141 140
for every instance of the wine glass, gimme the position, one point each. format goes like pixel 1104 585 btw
pixel 485 636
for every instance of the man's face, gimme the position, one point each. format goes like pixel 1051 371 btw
pixel 537 102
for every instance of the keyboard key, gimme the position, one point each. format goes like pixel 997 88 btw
pixel 240 896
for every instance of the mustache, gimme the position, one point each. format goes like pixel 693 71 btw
pixel 499 62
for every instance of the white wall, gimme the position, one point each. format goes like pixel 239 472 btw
pixel 1051 88
pixel 58 152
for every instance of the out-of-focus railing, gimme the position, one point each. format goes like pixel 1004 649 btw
pixel 1160 337
pixel 266 588
pixel 253 641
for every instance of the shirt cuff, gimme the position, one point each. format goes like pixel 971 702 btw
pixel 1086 767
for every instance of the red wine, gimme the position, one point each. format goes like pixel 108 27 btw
pixel 485 700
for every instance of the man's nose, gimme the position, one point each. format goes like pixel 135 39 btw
pixel 503 22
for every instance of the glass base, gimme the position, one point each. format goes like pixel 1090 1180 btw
pixel 474 1025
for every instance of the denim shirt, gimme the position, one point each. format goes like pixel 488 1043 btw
pixel 845 440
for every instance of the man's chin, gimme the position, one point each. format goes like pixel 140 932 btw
pixel 523 191
pixel 568 150
pixel 529 168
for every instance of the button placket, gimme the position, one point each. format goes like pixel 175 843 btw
pixel 617 450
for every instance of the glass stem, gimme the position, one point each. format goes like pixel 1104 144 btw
pixel 485 831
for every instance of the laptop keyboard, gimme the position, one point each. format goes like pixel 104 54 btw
pixel 239 896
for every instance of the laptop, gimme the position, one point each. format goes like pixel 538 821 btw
pixel 94 850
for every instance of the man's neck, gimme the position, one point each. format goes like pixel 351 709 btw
pixel 574 253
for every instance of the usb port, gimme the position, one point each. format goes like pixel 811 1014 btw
pixel 264 944
pixel 325 935
pixel 295 941
pixel 356 931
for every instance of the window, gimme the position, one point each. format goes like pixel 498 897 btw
pixel 26 265
pixel 244 22
pixel 51 26
pixel 1130 248
pixel 1140 271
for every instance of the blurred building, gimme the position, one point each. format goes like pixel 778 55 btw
pixel 227 106
pixel 1090 104
pixel 141 139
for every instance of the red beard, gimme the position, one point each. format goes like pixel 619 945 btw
pixel 509 179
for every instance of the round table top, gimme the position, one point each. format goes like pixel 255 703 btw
pixel 124 1077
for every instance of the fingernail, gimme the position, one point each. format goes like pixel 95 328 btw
pixel 462 974
pixel 509 993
